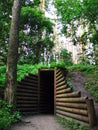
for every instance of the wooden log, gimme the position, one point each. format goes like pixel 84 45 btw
pixel 34 91
pixel 26 113
pixel 72 105
pixel 79 100
pixel 26 101
pixel 59 74
pixel 29 80
pixel 60 84
pixel 76 116
pixel 25 86
pixel 26 94
pixel 23 90
pixel 59 77
pixel 28 109
pixel 73 94
pixel 26 105
pixel 60 80
pixel 33 75
pixel 81 122
pixel 72 110
pixel 68 90
pixel 58 70
pixel 21 86
pixel 55 90
pixel 91 112
pixel 28 84
pixel 29 98
pixel 61 87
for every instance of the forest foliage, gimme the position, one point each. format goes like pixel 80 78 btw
pixel 80 14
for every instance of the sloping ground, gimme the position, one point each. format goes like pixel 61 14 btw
pixel 77 80
pixel 40 122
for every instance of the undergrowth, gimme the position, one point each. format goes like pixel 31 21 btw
pixel 7 115
pixel 70 124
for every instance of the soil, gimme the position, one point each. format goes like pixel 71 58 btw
pixel 77 80
pixel 38 122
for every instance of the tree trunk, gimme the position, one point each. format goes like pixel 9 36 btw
pixel 11 70
pixel 42 5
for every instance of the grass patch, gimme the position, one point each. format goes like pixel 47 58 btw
pixel 70 124
pixel 7 115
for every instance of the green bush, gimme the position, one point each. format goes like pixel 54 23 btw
pixel 7 116
pixel 2 75
pixel 57 64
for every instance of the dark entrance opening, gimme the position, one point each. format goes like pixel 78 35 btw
pixel 46 90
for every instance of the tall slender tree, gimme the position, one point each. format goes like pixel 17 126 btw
pixel 12 56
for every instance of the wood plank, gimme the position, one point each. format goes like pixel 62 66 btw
pixel 61 87
pixel 76 116
pixel 73 94
pixel 28 109
pixel 26 101
pixel 24 98
pixel 91 112
pixel 72 110
pixel 27 87
pixel 60 80
pixel 29 80
pixel 60 84
pixel 28 84
pixel 23 90
pixel 72 105
pixel 67 90
pixel 26 94
pixel 27 105
pixel 59 76
pixel 80 100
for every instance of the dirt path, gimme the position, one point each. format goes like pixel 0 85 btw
pixel 38 122
pixel 77 80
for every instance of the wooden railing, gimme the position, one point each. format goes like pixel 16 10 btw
pixel 70 104
pixel 27 95
pixel 34 94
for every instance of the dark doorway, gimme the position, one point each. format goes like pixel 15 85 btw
pixel 46 90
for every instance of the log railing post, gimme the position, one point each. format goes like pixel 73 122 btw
pixel 38 90
pixel 91 112
pixel 55 90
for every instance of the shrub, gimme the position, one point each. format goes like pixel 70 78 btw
pixel 7 116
